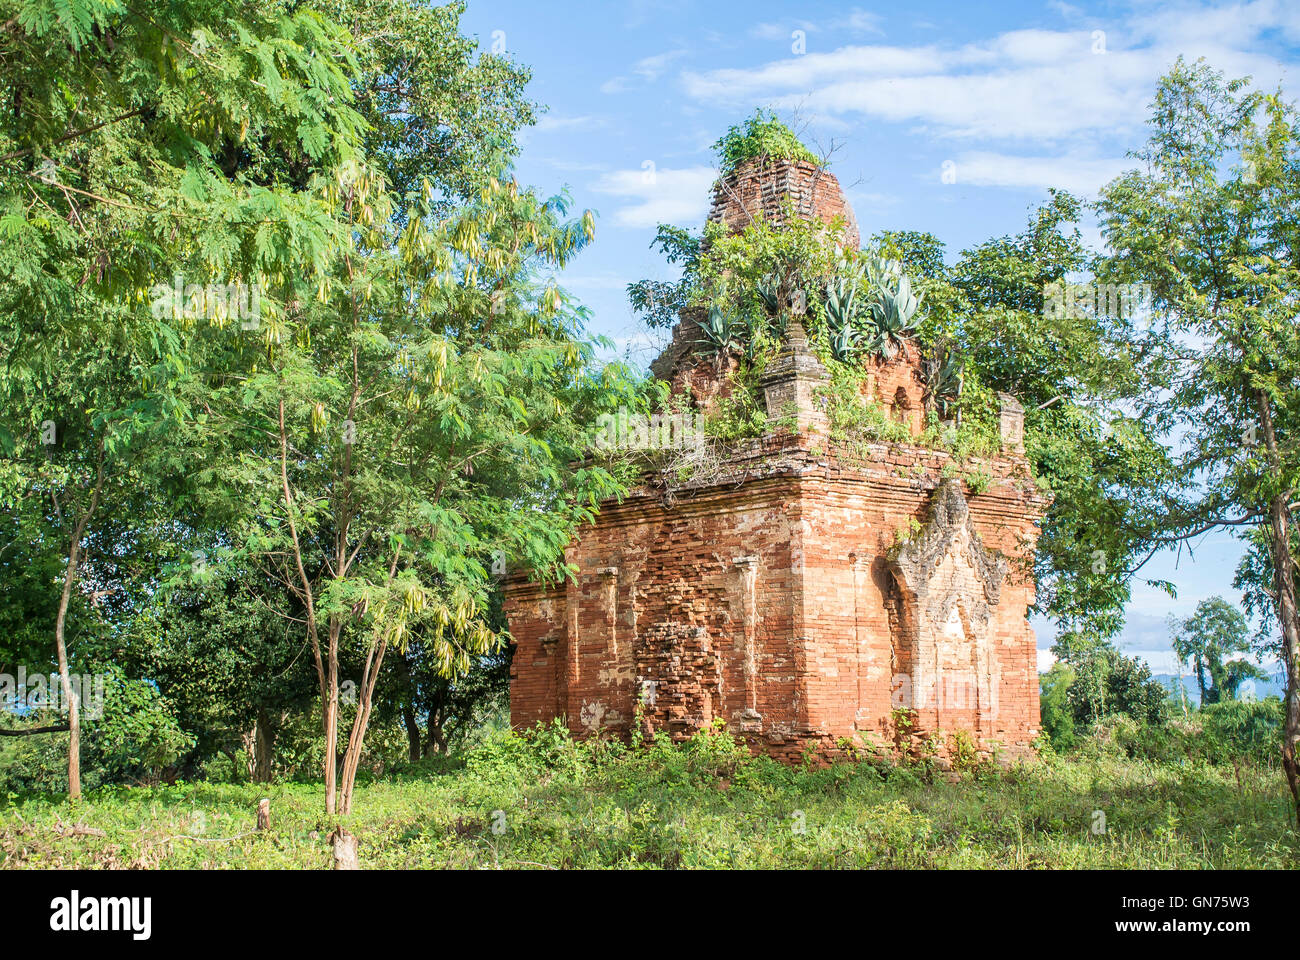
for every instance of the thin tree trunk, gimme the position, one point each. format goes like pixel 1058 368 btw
pixel 352 759
pixel 70 698
pixel 437 733
pixel 331 719
pixel 1290 620
pixel 329 683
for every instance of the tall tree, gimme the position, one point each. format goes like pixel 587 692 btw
pixel 414 417
pixel 1207 639
pixel 132 154
pixel 1212 221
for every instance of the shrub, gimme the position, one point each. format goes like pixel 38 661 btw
pixel 762 135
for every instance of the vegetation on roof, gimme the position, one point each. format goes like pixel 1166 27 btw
pixel 762 135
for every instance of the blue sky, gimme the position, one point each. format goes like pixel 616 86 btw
pixel 1010 97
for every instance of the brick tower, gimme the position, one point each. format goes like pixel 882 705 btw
pixel 800 594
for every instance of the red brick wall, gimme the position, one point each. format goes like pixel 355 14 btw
pixel 807 634
pixel 758 190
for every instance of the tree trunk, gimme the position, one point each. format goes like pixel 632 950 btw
pixel 264 814
pixel 437 735
pixel 345 850
pixel 1287 612
pixel 248 740
pixel 1290 619
pixel 412 731
pixel 264 747
pixel 70 699
pixel 365 698
pixel 331 719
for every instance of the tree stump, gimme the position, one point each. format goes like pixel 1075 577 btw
pixel 264 814
pixel 345 850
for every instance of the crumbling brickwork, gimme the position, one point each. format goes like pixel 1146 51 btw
pixel 763 189
pixel 802 593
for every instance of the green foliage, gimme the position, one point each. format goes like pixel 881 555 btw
pixel 407 403
pixel 760 136
pixel 1106 683
pixel 722 333
pixel 893 310
pixel 135 740
pixel 985 327
pixel 1055 711
pixel 1231 733
pixel 1209 221
pixel 704 804
pixel 1215 632
pixel 742 413
pixel 854 417
pixel 658 302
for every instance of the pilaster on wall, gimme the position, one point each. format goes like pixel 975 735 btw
pixel 750 719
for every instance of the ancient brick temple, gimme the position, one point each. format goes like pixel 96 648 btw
pixel 798 593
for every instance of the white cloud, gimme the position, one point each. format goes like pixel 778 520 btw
pixel 779 31
pixel 647 69
pixel 651 68
pixel 1079 175
pixel 659 195
pixel 550 121
pixel 1019 85
pixel 859 21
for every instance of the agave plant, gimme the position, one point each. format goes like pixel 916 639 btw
pixel 883 274
pixel 894 314
pixel 721 332
pixel 777 301
pixel 841 300
pixel 942 371
pixel 841 313
pixel 769 292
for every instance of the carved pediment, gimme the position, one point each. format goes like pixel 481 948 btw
pixel 919 565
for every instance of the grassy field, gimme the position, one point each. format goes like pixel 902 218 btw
pixel 547 802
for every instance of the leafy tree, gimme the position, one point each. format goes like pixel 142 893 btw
pixel 416 416
pixel 1216 631
pixel 228 654
pixel 439 713
pixel 659 302
pixel 1255 577
pixel 434 112
pixel 1055 712
pixel 1107 683
pixel 1076 375
pixel 113 152
pixel 1210 222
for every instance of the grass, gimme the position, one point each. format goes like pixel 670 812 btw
pixel 547 802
